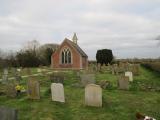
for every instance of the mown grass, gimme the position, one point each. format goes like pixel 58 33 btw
pixel 117 104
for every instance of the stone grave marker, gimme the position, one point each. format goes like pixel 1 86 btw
pixel 33 89
pixel 19 70
pixel 18 78
pixel 39 71
pixel 57 92
pixel 54 78
pixel 129 74
pixel 93 95
pixel 11 90
pixel 115 68
pixel 4 78
pixel 136 69
pixel 5 71
pixel 87 79
pixel 123 82
pixel 8 113
pixel 28 70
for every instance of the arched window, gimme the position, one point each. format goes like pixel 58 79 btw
pixel 66 56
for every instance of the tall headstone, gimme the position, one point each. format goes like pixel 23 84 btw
pixel 5 76
pixel 87 79
pixel 57 92
pixel 8 113
pixel 136 69
pixel 123 82
pixel 11 90
pixel 93 95
pixel 130 75
pixel 5 71
pixel 33 89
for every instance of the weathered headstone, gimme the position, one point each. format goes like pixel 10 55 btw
pixel 18 78
pixel 104 84
pixel 11 90
pixel 93 95
pixel 57 92
pixel 129 74
pixel 33 89
pixel 123 82
pixel 56 78
pixel 115 67
pixel 136 69
pixel 87 79
pixel 4 78
pixel 28 70
pixel 5 71
pixel 8 113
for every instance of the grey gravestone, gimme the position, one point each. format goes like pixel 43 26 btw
pixel 57 92
pixel 17 75
pixel 136 69
pixel 5 71
pixel 18 78
pixel 33 89
pixel 123 82
pixel 28 70
pixel 87 79
pixel 104 84
pixel 4 78
pixel 56 78
pixel 11 90
pixel 8 113
pixel 93 95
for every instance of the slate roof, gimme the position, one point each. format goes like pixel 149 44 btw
pixel 76 47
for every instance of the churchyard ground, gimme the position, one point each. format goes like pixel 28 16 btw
pixel 142 96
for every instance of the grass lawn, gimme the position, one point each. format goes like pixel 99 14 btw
pixel 117 104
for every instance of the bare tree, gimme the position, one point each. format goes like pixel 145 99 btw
pixel 32 45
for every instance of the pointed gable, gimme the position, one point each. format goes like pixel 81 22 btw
pixel 82 53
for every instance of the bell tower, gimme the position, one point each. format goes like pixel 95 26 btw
pixel 75 39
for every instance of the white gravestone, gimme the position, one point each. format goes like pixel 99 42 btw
pixel 130 75
pixel 57 92
pixel 93 95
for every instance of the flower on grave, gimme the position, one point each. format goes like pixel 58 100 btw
pixel 19 88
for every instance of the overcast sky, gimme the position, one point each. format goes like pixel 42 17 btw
pixel 128 27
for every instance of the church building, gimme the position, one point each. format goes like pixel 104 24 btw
pixel 69 55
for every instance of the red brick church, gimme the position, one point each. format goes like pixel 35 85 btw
pixel 69 55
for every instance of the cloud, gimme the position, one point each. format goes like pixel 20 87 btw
pixel 125 26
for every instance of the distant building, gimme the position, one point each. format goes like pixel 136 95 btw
pixel 69 55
